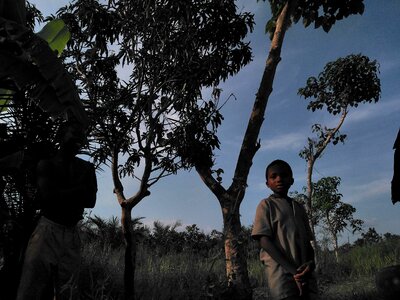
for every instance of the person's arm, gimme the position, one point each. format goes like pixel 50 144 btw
pixel 268 246
pixel 279 257
pixel 309 266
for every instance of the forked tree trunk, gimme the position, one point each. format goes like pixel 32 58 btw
pixel 127 227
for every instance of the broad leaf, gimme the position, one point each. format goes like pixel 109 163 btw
pixel 56 34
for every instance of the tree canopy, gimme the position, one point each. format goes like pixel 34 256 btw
pixel 345 82
pixel 173 50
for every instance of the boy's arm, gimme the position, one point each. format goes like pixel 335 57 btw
pixel 267 244
pixel 279 257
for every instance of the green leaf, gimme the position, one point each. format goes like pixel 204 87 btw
pixel 56 34
pixel 5 97
pixel 270 26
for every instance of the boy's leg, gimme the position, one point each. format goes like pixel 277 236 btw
pixel 36 279
pixel 68 271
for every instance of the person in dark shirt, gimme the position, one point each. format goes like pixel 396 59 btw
pixel 66 185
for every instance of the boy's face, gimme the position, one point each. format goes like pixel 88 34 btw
pixel 279 179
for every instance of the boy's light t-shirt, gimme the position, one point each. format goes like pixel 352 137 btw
pixel 285 221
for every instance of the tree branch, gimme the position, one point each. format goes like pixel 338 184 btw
pixel 214 186
pixel 250 145
pixel 330 135
pixel 118 187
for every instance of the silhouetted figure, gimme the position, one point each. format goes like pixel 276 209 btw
pixel 396 171
pixel 13 10
pixel 65 185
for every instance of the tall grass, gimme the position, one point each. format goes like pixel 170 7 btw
pixel 353 278
pixel 367 259
pixel 177 276
pixel 169 276
pixel 192 275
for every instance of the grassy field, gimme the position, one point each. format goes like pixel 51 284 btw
pixel 194 275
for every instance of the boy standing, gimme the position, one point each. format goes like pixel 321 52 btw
pixel 282 229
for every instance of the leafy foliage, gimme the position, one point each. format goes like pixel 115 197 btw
pixel 56 34
pixel 33 15
pixel 371 237
pixel 320 12
pixel 28 79
pixel 334 214
pixel 343 83
pixel 173 50
pixel 28 63
pixel 314 144
pixel 326 13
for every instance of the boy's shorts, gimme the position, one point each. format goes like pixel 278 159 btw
pixel 51 261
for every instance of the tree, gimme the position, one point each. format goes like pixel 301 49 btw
pixel 369 237
pixel 174 49
pixel 344 83
pixel 320 13
pixel 334 214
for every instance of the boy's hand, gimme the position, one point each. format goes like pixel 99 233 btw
pixel 299 286
pixel 299 276
pixel 303 270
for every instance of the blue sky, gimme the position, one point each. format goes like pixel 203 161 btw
pixel 364 162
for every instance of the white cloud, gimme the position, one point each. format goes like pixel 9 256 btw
pixel 366 191
pixel 369 111
pixel 289 141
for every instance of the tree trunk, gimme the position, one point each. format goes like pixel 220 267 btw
pixel 336 246
pixel 334 237
pixel 310 167
pixel 126 220
pixel 230 200
pixel 314 244
pixel 235 254
pixel 130 253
